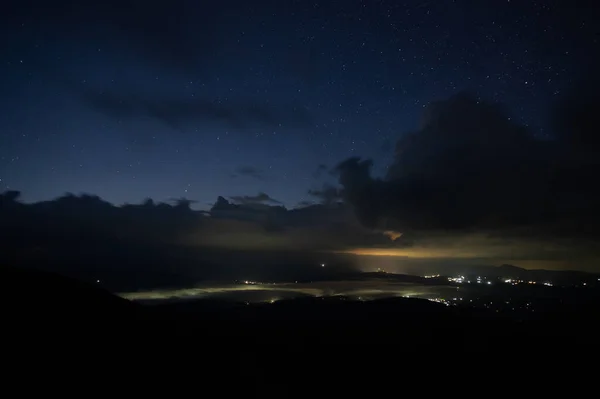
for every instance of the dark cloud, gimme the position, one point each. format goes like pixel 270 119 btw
pixel 250 171
pixel 134 239
pixel 260 198
pixel 386 146
pixel 320 171
pixel 179 112
pixel 185 41
pixel 327 194
pixel 250 222
pixel 158 244
pixel 576 116
pixel 470 166
pixel 154 243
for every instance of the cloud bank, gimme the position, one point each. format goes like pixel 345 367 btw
pixel 471 183
pixel 470 167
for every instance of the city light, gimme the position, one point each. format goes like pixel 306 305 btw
pixel 459 279
pixel 440 300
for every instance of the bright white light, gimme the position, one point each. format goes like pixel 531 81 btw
pixel 97 281
pixel 322 264
pixel 489 283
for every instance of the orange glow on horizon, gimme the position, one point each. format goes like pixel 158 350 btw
pixel 422 253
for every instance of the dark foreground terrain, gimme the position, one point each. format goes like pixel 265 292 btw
pixel 58 308
pixel 53 325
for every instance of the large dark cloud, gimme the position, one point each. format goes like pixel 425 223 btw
pixel 470 167
pixel 576 117
pixel 154 243
pixel 326 194
pixel 178 112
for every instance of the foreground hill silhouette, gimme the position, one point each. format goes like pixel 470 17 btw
pixel 29 286
pixel 57 303
pixel 62 309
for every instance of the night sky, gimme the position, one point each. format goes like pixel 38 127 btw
pixel 133 99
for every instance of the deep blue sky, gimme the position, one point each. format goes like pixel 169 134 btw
pixel 128 99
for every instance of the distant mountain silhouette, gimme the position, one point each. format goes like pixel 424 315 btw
pixel 567 277
pixel 510 270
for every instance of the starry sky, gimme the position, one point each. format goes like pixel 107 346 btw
pixel 133 99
